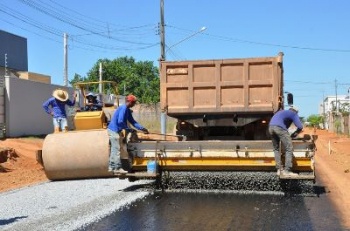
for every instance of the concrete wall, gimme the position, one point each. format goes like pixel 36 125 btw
pixel 338 123
pixel 24 114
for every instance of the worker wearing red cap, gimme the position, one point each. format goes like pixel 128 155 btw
pixel 118 123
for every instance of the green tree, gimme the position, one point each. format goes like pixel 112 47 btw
pixel 337 125
pixel 76 78
pixel 139 78
pixel 315 120
pixel 344 108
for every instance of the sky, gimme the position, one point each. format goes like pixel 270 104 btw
pixel 313 35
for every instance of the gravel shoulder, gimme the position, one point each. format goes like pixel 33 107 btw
pixel 66 205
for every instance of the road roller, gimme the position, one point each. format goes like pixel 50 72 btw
pixel 95 116
pixel 220 141
pixel 177 164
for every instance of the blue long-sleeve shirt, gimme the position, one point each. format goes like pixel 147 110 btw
pixel 52 105
pixel 285 118
pixel 120 118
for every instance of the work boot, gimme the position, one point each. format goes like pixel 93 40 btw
pixel 289 173
pixel 120 171
pixel 65 129
pixel 278 172
pixel 56 130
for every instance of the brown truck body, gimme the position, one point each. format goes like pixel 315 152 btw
pixel 222 93
pixel 222 86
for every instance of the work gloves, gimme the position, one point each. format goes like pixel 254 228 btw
pixel 145 130
pixel 295 134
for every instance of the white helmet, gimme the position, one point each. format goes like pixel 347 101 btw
pixel 294 108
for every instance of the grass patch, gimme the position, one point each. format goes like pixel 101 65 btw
pixel 153 125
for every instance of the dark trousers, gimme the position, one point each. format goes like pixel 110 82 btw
pixel 279 135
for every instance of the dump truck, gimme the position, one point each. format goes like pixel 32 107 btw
pixel 222 108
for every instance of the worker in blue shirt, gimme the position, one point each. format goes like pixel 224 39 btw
pixel 118 123
pixel 278 129
pixel 55 106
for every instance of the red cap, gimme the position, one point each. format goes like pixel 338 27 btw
pixel 131 98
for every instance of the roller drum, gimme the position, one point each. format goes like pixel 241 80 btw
pixel 76 155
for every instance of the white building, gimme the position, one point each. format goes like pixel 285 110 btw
pixel 329 103
pixel 333 104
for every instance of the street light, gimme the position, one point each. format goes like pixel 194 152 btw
pixel 188 37
pixel 349 99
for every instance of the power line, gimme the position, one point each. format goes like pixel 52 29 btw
pixel 81 24
pixel 229 39
pixel 65 9
pixel 58 15
pixel 308 82
pixel 277 45
pixel 41 35
pixel 93 20
pixel 24 19
pixel 96 27
pixel 86 44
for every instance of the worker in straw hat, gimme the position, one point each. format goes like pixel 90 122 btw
pixel 55 106
pixel 119 122
pixel 278 129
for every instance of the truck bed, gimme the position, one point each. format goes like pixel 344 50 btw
pixel 251 85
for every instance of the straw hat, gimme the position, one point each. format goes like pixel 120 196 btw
pixel 60 94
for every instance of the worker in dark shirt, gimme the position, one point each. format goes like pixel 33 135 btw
pixel 118 123
pixel 55 106
pixel 92 104
pixel 278 129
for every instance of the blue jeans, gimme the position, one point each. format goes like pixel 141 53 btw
pixel 280 135
pixel 114 154
pixel 60 123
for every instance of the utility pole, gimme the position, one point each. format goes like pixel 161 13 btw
pixel 100 84
pixel 324 112
pixel 65 60
pixel 162 32
pixel 336 96
pixel 163 114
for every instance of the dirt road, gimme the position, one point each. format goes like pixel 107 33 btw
pixel 21 169
pixel 332 167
